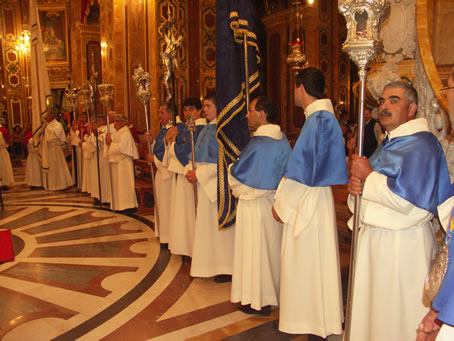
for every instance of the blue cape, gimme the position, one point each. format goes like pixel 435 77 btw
pixel 183 142
pixel 318 158
pixel 444 301
pixel 416 169
pixel 262 162
pixel 206 148
pixel 159 147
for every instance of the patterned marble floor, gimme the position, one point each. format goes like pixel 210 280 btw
pixel 83 273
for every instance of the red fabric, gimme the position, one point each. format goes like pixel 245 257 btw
pixel 133 131
pixel 6 246
pixel 27 138
pixel 5 134
pixel 83 7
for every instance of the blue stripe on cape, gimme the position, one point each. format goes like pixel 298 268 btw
pixel 206 148
pixel 183 142
pixel 262 163
pixel 318 158
pixel 159 147
pixel 444 301
pixel 416 169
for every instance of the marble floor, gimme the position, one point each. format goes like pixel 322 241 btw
pixel 84 273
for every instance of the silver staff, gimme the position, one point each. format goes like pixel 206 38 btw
pixel 190 124
pixel 93 88
pixel 142 82
pixel 106 92
pixel 363 44
pixel 85 103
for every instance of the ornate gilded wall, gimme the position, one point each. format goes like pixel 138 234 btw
pixel 14 78
pixel 208 47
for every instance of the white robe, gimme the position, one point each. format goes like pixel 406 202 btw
pixel 93 183
pixel 33 175
pixel 121 153
pixel 58 176
pixel 163 182
pixel 104 170
pixel 258 238
pixel 6 170
pixel 395 245
pixel 311 295
pixel 182 213
pixel 213 248
pixel 89 164
pixel 182 210
pixel 73 140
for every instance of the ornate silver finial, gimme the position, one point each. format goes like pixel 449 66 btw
pixel 85 96
pixel 106 92
pixel 71 95
pixel 142 81
pixel 363 19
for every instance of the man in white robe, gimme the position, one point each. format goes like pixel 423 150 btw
pixel 89 149
pixel 182 213
pixel 443 304
pixel 401 185
pixel 6 170
pixel 104 171
pixel 311 295
pixel 33 174
pixel 57 175
pixel 212 253
pixel 122 151
pixel 88 160
pixel 163 178
pixel 74 140
pixel 253 179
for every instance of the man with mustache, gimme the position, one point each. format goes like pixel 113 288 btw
pixel 401 185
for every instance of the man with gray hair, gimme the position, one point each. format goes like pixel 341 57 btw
pixel 121 152
pixel 401 185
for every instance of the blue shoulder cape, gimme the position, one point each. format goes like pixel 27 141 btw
pixel 444 301
pixel 206 148
pixel 262 162
pixel 416 169
pixel 318 158
pixel 159 147
pixel 183 142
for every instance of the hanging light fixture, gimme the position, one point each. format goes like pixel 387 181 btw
pixel 297 59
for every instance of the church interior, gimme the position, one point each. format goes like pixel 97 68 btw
pixel 84 272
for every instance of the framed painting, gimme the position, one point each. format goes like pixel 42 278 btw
pixel 55 35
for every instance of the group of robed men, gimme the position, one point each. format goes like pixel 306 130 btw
pixel 283 249
pixel 102 159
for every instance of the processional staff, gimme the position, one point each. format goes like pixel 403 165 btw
pixel 84 92
pixel 363 44
pixel 190 124
pixel 142 81
pixel 105 96
pixel 93 89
